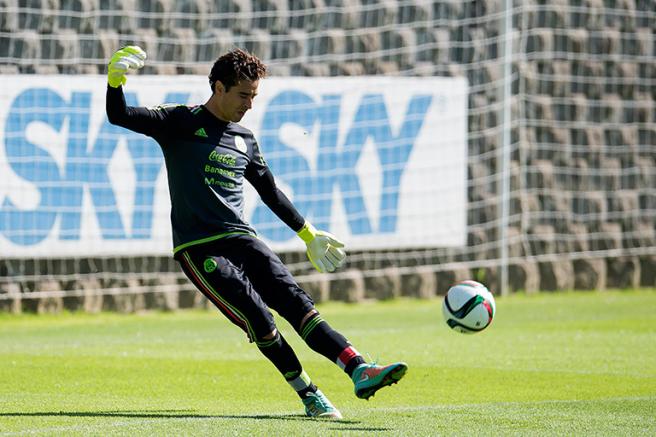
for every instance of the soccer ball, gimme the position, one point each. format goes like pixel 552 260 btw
pixel 468 307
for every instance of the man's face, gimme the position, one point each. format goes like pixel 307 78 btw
pixel 232 105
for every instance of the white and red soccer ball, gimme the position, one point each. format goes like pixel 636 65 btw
pixel 468 307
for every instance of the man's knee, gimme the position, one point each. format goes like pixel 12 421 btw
pixel 269 340
pixel 306 318
pixel 271 335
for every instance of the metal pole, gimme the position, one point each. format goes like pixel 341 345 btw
pixel 506 115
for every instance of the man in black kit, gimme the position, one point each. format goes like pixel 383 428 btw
pixel 208 156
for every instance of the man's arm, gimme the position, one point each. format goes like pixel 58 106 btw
pixel 142 120
pixel 323 249
pixel 275 199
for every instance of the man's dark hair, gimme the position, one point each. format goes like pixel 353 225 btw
pixel 234 66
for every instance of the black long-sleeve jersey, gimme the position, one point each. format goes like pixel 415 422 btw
pixel 207 160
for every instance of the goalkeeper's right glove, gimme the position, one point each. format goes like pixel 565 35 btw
pixel 324 250
pixel 130 57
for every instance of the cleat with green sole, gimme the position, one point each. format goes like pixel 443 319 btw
pixel 318 405
pixel 369 378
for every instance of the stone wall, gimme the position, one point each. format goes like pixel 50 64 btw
pixel 583 171
pixel 170 291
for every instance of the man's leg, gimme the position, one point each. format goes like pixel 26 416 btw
pixel 322 338
pixel 367 378
pixel 244 307
pixel 280 292
pixel 278 351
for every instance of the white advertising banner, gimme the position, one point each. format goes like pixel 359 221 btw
pixel 381 162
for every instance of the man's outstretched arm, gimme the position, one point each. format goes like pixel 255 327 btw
pixel 143 120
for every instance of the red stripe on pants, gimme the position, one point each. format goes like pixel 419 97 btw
pixel 198 282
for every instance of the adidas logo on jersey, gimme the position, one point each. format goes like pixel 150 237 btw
pixel 201 133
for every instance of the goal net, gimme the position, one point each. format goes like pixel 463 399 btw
pixel 509 142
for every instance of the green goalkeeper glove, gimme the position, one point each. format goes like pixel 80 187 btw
pixel 324 250
pixel 130 57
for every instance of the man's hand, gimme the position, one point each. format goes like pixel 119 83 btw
pixel 323 249
pixel 130 57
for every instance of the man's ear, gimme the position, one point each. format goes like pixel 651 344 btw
pixel 218 87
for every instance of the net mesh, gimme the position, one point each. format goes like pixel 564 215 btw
pixel 582 131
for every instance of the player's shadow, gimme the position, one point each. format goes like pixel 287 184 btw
pixel 187 414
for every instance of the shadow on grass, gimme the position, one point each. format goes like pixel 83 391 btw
pixel 188 414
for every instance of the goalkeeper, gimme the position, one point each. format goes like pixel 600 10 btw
pixel 208 156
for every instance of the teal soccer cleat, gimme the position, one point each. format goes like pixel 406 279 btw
pixel 369 378
pixel 318 405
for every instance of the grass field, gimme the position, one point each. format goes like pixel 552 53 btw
pixel 561 364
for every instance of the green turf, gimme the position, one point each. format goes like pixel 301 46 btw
pixel 561 364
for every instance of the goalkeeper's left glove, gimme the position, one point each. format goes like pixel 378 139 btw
pixel 130 57
pixel 324 250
